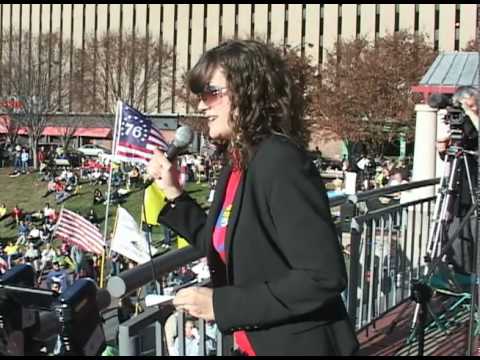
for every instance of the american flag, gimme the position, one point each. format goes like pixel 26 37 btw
pixel 77 230
pixel 137 136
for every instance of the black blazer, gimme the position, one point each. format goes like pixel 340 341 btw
pixel 285 271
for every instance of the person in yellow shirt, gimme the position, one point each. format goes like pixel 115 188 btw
pixel 11 248
pixel 3 211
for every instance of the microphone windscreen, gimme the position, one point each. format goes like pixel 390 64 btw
pixel 183 136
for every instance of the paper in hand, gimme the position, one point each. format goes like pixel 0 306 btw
pixel 153 299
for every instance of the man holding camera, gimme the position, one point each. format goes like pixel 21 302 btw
pixel 460 130
pixel 468 98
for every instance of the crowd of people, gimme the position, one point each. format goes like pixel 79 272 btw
pixel 58 265
pixel 370 172
pixel 18 157
pixel 278 288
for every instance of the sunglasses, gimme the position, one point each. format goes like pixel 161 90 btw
pixel 211 94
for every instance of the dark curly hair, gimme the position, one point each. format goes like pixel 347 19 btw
pixel 265 99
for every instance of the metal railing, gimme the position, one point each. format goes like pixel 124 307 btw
pixel 386 248
pixel 387 251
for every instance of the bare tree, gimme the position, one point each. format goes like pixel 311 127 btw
pixel 304 76
pixel 68 126
pixel 122 67
pixel 365 90
pixel 31 71
pixel 11 125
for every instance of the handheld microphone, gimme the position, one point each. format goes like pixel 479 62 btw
pixel 183 138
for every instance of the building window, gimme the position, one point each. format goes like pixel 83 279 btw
pixel 321 20
pixel 320 38
pixel 457 38
pixel 397 17
pixel 359 19
pixel 236 22
pixel 220 22
pixel 285 27
pixel 252 22
pixel 269 23
pixel 205 17
pixel 417 17
pixel 457 20
pixel 304 27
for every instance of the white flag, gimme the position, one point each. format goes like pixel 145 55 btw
pixel 128 240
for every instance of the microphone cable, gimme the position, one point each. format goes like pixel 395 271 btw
pixel 148 231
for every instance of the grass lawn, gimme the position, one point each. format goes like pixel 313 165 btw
pixel 26 191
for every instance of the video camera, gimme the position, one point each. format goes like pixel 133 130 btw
pixel 455 116
pixel 31 318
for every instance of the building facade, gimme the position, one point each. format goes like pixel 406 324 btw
pixel 193 28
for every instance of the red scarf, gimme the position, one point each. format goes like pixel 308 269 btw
pixel 218 239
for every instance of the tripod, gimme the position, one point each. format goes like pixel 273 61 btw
pixel 443 215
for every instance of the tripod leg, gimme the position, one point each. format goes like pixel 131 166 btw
pixel 469 179
pixel 413 326
pixel 438 210
pixel 442 204
pixel 442 216
pixel 421 335
pixel 445 214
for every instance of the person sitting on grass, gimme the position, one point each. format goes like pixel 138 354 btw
pixel 47 255
pixel 98 197
pixel 51 186
pixel 68 192
pixel 32 256
pixel 117 197
pixel 48 212
pixel 3 212
pixel 72 179
pixel 16 215
pixel 34 234
pixel 92 217
pixel 47 228
pixel 12 251
pixel 134 177
pixel 44 236
pixel 23 232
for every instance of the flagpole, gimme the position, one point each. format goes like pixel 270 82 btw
pixel 109 189
pixel 58 222
pixel 114 231
pixel 102 266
